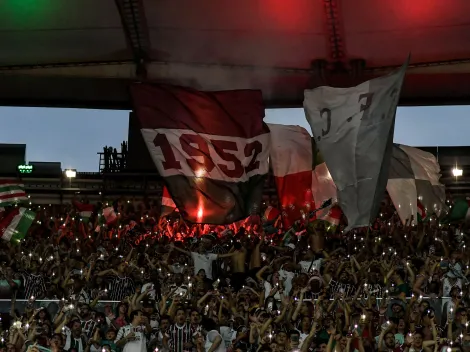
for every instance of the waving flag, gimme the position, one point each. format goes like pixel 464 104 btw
pixel 109 215
pixel 333 217
pixel 15 225
pixel 421 212
pixel 413 183
pixel 11 192
pixel 85 210
pixel 460 210
pixel 271 214
pixel 303 181
pixel 168 206
pixel 211 148
pixel 353 129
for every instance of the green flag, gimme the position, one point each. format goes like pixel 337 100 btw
pixel 459 211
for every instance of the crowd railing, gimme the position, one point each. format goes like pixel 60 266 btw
pixel 20 305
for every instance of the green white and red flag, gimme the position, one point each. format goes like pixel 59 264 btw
pixel 11 192
pixel 15 225
pixel 85 210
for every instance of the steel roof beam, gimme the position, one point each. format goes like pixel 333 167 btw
pixel 136 31
pixel 335 34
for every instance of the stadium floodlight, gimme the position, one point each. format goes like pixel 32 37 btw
pixel 457 172
pixel 71 173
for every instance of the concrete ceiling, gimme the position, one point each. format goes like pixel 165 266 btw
pixel 84 53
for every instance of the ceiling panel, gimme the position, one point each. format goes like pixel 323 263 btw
pixel 75 52
pixel 56 31
pixel 384 32
pixel 254 32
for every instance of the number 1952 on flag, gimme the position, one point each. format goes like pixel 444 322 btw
pixel 185 152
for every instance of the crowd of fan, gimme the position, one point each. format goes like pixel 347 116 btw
pixel 145 285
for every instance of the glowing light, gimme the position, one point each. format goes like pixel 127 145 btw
pixel 417 12
pixel 457 172
pixel 71 173
pixel 200 214
pixel 25 169
pixel 284 15
pixel 200 172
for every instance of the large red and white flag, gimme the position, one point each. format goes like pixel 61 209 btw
pixel 212 148
pixel 302 179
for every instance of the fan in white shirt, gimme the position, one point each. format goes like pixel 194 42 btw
pixel 286 276
pixel 202 260
pixel 214 341
pixel 132 337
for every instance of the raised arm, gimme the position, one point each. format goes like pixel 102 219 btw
pixel 172 246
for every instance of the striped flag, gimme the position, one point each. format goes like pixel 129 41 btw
pixel 85 210
pixel 303 181
pixel 15 225
pixel 212 148
pixel 168 206
pixel 11 192
pixel 413 180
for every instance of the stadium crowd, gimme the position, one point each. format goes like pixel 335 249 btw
pixel 158 284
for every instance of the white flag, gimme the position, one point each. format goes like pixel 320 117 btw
pixel 353 129
pixel 414 179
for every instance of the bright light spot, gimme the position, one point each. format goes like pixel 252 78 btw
pixel 200 214
pixel 71 173
pixel 199 172
pixel 457 172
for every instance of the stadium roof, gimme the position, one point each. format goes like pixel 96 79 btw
pixel 84 53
